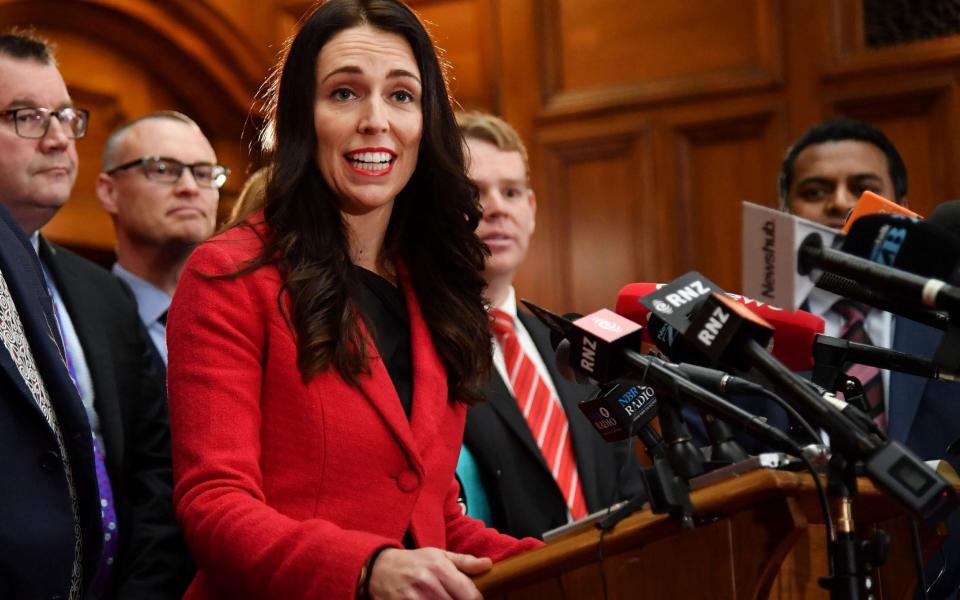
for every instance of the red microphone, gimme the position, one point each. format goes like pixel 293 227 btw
pixel 793 335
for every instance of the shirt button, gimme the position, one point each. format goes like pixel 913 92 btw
pixel 50 460
pixel 408 481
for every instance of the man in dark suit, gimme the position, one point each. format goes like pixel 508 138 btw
pixel 822 177
pixel 48 492
pixel 104 345
pixel 531 460
pixel 160 184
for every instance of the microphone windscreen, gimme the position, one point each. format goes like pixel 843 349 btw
pixel 628 301
pixel 563 364
pixel 919 247
pixel 794 332
pixel 555 336
pixel 793 335
pixel 947 216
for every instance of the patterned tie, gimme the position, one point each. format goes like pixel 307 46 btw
pixel 854 315
pixel 543 413
pixel 108 514
pixel 14 340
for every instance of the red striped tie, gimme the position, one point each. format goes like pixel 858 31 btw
pixel 543 413
pixel 854 316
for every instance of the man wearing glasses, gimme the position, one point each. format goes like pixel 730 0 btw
pixel 160 183
pixel 105 441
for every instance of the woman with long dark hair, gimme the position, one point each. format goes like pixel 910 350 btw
pixel 323 353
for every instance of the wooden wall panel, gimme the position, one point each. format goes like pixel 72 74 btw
pixel 463 31
pixel 594 212
pixel 919 117
pixel 719 164
pixel 602 53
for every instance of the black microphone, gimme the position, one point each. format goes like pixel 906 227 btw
pixel 895 283
pixel 947 215
pixel 616 410
pixel 730 335
pixel 724 449
pixel 648 366
pixel 849 410
pixel 832 354
pixel 620 409
pixel 849 288
pixel 910 244
pixel 596 352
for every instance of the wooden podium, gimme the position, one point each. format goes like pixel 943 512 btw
pixel 760 535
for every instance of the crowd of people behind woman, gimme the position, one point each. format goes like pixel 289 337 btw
pixel 321 352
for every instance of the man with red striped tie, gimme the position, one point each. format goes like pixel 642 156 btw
pixel 531 461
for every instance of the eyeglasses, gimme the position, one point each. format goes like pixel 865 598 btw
pixel 34 122
pixel 168 170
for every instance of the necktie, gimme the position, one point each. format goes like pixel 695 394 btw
pixel 543 413
pixel 854 315
pixel 108 515
pixel 14 340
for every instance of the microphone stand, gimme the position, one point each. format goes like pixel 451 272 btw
pixel 850 557
pixel 666 492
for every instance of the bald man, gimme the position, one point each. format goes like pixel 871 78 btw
pixel 160 183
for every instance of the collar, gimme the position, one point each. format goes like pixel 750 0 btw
pixel 820 301
pixel 509 304
pixel 152 302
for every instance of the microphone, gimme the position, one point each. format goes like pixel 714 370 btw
pixel 895 283
pixel 917 246
pixel 830 354
pixel 872 204
pixel 849 410
pixel 660 374
pixel 596 351
pixel 793 334
pixel 619 409
pixel 726 333
pixel 848 288
pixel 947 215
pixel 770 242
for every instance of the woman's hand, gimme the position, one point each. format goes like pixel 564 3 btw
pixel 425 573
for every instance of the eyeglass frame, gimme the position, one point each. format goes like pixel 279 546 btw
pixel 144 160
pixel 50 113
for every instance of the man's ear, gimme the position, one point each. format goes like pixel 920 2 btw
pixel 106 193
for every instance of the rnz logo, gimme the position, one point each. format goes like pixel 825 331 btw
pixel 713 326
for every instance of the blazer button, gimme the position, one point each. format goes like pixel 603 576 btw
pixel 50 460
pixel 408 481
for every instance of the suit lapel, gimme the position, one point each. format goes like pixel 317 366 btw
pixel 906 391
pixel 77 300
pixel 24 280
pixel 430 393
pixel 501 400
pixel 429 385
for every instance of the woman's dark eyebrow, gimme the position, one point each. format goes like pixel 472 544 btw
pixel 355 70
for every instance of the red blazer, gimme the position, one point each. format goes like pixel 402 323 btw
pixel 284 489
